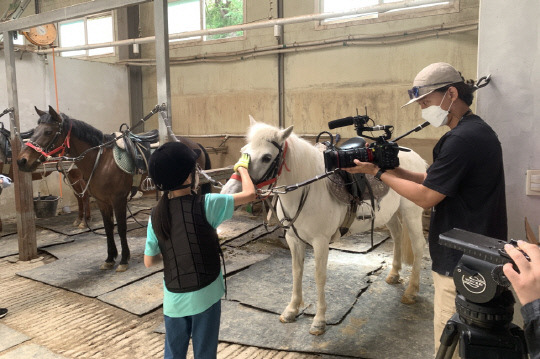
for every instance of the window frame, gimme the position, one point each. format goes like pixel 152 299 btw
pixel 442 9
pixel 202 40
pixel 85 19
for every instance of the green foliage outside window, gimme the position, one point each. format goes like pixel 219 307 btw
pixel 222 13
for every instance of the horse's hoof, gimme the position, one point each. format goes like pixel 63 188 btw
pixel 122 267
pixel 317 329
pixel 77 222
pixel 408 299
pixel 287 318
pixel 392 279
pixel 82 225
pixel 107 266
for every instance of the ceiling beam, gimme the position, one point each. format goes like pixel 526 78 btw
pixel 67 13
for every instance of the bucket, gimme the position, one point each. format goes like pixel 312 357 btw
pixel 45 206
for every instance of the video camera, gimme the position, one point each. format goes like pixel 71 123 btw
pixel 382 152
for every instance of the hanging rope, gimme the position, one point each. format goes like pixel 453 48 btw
pixel 58 111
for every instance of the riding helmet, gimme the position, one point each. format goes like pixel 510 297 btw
pixel 171 164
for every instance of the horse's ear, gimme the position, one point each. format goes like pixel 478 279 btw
pixel 284 134
pixel 53 114
pixel 252 121
pixel 39 112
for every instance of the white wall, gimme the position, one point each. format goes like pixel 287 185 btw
pixel 509 50
pixel 96 93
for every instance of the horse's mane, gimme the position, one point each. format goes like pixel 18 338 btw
pixel 83 131
pixel 304 157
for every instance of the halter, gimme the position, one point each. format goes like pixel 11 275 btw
pixel 274 171
pixel 62 147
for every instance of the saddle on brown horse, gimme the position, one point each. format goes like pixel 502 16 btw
pixel 137 149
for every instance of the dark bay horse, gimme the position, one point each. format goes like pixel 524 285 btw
pixel 74 176
pixel 107 183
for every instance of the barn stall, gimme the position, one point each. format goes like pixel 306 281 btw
pixel 283 73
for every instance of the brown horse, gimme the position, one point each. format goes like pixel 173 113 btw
pixel 107 183
pixel 74 177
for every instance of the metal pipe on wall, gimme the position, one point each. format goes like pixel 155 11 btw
pixel 386 39
pixel 281 67
pixel 255 25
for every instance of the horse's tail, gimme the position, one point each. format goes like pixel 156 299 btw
pixel 407 255
pixel 207 187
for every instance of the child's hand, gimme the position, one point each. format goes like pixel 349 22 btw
pixel 242 162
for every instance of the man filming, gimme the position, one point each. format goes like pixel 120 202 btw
pixel 465 184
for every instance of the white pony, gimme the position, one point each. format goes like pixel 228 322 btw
pixel 319 219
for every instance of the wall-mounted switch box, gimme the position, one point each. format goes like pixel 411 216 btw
pixel 533 183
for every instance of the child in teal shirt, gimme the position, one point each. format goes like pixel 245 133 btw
pixel 181 232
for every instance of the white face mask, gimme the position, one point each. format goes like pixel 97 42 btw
pixel 435 115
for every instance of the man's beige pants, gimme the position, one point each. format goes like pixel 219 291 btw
pixel 444 306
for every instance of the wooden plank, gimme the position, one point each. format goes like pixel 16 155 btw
pixel 530 234
pixel 24 202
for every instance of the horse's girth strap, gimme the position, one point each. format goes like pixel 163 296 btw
pixel 349 218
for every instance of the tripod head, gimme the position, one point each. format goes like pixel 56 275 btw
pixel 484 304
pixel 478 275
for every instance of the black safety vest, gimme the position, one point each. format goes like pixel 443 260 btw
pixel 191 254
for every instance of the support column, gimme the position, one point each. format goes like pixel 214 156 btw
pixel 161 26
pixel 128 28
pixel 24 201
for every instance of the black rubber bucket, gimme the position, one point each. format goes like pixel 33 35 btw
pixel 45 206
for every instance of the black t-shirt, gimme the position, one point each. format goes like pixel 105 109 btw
pixel 468 169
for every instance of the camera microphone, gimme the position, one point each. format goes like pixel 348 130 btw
pixel 347 121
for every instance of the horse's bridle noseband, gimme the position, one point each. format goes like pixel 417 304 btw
pixel 274 171
pixel 48 152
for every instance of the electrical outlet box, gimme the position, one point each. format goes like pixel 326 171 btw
pixel 533 183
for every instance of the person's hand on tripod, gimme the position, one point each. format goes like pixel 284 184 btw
pixel 526 283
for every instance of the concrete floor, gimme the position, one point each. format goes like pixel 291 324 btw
pixel 49 322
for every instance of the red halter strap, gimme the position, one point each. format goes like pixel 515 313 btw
pixel 62 147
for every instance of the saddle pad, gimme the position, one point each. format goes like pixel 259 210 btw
pixel 338 188
pixel 123 160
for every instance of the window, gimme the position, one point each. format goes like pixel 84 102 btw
pixel 86 31
pixel 191 15
pixel 19 40
pixel 344 5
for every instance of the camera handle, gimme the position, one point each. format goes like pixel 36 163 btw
pixel 416 129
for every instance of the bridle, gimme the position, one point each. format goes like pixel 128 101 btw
pixel 48 151
pixel 273 172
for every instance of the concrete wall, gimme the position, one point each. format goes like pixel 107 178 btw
pixel 320 85
pixel 509 50
pixel 93 92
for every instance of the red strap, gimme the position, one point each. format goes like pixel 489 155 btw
pixel 235 176
pixel 62 147
pixel 284 163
